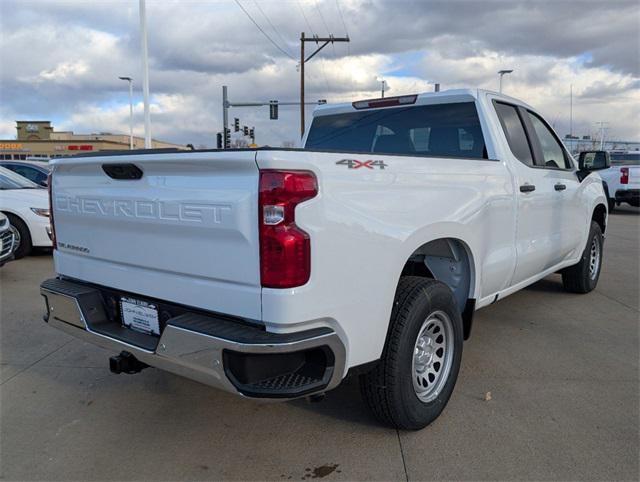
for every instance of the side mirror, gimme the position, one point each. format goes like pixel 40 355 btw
pixel 594 161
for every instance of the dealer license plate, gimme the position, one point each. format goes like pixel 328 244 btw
pixel 140 315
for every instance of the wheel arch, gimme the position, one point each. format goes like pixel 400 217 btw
pixel 448 259
pixel 21 217
pixel 599 215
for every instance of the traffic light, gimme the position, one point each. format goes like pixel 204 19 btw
pixel 252 133
pixel 245 130
pixel 273 109
pixel 227 138
pixel 236 124
pixel 219 140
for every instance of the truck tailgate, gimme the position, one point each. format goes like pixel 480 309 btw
pixel 186 231
pixel 634 177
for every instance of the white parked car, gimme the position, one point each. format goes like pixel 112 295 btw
pixel 272 273
pixel 27 206
pixel 8 240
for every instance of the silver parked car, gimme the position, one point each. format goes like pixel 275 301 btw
pixel 9 240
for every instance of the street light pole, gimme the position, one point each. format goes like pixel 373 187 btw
pixel 501 73
pixel 382 81
pixel 145 74
pixel 130 80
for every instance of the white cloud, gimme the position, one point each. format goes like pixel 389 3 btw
pixel 64 71
pixel 70 69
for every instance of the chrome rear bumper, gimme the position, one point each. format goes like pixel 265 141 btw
pixel 230 356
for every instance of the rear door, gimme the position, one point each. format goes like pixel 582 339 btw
pixel 186 231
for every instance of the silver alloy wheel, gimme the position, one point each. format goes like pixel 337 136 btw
pixel 594 258
pixel 432 356
pixel 16 238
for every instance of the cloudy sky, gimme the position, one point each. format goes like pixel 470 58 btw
pixel 60 60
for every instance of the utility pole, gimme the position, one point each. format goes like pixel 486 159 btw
pixel 317 40
pixel 145 75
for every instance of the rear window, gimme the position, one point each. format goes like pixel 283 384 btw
pixel 625 159
pixel 451 130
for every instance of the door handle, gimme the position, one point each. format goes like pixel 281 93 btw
pixel 527 188
pixel 559 187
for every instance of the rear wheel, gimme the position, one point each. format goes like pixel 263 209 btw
pixel 24 242
pixel 583 277
pixel 419 366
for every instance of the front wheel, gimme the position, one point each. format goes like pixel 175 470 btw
pixel 419 366
pixel 583 277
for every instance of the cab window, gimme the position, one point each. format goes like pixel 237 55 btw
pixel 514 132
pixel 552 152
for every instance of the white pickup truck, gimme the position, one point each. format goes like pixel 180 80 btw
pixel 273 273
pixel 622 179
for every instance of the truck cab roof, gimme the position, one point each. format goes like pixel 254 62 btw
pixel 424 98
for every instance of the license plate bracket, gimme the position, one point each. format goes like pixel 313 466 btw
pixel 140 315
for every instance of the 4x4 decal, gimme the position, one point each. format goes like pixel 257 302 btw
pixel 356 164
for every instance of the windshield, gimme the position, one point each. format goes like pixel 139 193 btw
pixel 11 180
pixel 449 130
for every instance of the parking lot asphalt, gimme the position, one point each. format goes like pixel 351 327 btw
pixel 562 370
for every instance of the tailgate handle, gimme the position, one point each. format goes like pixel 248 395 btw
pixel 122 171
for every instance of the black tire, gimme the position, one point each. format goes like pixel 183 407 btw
pixel 388 390
pixel 580 278
pixel 25 236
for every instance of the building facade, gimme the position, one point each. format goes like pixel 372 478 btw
pixel 38 139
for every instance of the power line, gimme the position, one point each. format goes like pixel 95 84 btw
pixel 322 18
pixel 264 33
pixel 344 25
pixel 324 74
pixel 305 18
pixel 269 22
pixel 333 47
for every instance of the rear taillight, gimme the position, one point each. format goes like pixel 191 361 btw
pixel 285 249
pixel 624 175
pixel 53 229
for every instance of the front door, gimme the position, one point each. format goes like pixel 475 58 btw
pixel 552 158
pixel 538 216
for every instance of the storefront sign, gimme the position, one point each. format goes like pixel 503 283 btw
pixel 80 147
pixel 11 146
